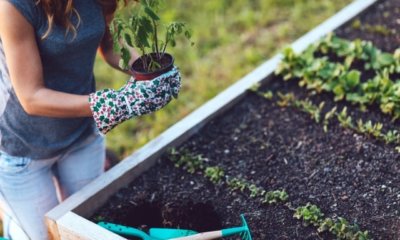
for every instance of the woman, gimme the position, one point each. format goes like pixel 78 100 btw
pixel 50 113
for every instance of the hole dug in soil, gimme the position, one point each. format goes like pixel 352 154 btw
pixel 200 217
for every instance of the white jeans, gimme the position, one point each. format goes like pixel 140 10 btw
pixel 30 188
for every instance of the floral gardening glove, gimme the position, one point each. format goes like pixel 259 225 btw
pixel 110 107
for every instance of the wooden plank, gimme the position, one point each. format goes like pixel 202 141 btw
pixel 74 227
pixel 90 198
pixel 52 229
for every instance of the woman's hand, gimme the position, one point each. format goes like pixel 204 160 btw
pixel 111 107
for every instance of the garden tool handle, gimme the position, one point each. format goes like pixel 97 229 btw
pixel 202 236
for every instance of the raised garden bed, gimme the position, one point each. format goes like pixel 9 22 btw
pixel 286 156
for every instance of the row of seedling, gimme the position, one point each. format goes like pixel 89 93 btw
pixel 340 227
pixel 361 50
pixel 320 115
pixel 193 163
pixel 309 214
pixel 321 74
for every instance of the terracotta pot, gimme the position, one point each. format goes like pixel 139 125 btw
pixel 141 75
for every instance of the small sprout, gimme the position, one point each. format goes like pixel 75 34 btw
pixel 187 161
pixel 344 119
pixel 308 107
pixel 268 95
pixel 237 184
pixel 328 116
pixel 255 87
pixel 356 24
pixel 215 174
pixel 326 225
pixel 369 128
pixel 275 196
pixel 286 100
pixel 310 213
pixel 256 191
pixel 391 136
pixel 398 149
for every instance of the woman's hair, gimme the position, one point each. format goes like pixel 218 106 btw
pixel 59 12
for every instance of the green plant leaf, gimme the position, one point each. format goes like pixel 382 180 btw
pixel 385 59
pixel 128 40
pixel 353 79
pixel 151 13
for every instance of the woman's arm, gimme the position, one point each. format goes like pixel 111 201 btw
pixel 106 49
pixel 26 74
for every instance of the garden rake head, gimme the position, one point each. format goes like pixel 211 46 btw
pixel 180 234
pixel 243 231
pixel 246 234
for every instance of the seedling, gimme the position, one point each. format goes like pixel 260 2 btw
pixel 328 116
pixel 344 119
pixel 187 161
pixel 286 100
pixel 369 128
pixel 236 184
pixel 142 31
pixel 308 107
pixel 256 191
pixel 320 74
pixel 215 174
pixel 275 196
pixel 310 213
pixel 392 136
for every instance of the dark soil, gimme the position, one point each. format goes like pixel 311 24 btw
pixel 379 24
pixel 344 173
pixel 165 62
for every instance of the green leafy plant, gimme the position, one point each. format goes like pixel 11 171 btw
pixel 391 136
pixel 320 74
pixel 310 213
pixel 215 174
pixel 328 116
pixel 187 161
pixel 237 184
pixel 308 107
pixel 275 196
pixel 345 120
pixel 255 191
pixel 142 31
pixel 369 128
pixel 286 100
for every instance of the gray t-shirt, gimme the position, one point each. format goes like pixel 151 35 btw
pixel 67 67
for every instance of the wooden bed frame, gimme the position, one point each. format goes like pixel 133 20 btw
pixel 67 221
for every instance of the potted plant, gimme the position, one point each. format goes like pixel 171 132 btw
pixel 144 31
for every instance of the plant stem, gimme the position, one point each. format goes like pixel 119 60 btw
pixel 166 43
pixel 143 57
pixel 156 40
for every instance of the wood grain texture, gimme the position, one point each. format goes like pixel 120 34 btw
pixel 73 227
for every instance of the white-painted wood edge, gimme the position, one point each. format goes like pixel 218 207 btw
pixel 74 227
pixel 89 198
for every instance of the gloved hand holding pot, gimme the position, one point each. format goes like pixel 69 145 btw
pixel 155 79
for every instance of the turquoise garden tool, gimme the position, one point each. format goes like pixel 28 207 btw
pixel 243 230
pixel 179 234
pixel 165 233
